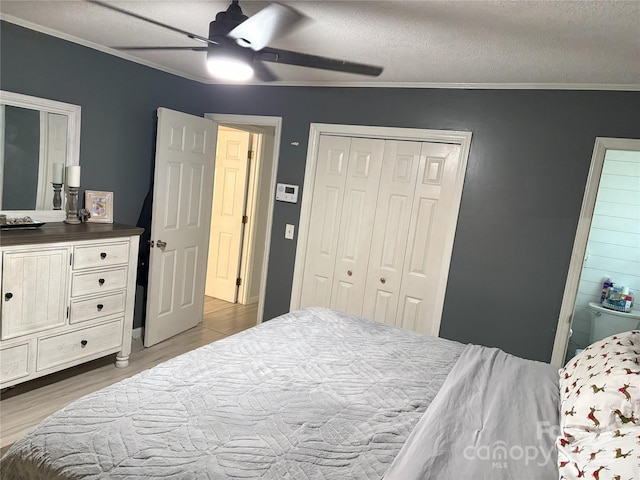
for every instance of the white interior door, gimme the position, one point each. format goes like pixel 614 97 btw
pixel 407 227
pixel 356 224
pixel 229 200
pixel 180 224
pixel 428 251
pixel 391 229
pixel 333 157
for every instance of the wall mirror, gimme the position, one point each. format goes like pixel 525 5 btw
pixel 37 137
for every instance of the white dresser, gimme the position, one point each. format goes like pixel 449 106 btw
pixel 68 295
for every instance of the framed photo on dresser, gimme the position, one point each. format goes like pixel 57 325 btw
pixel 100 205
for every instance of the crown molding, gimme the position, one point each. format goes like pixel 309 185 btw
pixel 359 84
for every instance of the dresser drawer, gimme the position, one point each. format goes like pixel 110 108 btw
pixel 98 282
pixel 96 307
pixel 14 362
pixel 68 347
pixel 104 255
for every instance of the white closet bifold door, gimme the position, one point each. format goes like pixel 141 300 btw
pixel 390 231
pixel 356 225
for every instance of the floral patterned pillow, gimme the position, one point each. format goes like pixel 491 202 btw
pixel 600 387
pixel 614 454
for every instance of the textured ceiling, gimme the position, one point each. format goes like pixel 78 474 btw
pixel 560 44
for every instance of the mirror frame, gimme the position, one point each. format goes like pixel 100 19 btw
pixel 73 113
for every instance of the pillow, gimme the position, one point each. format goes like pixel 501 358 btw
pixel 600 387
pixel 612 454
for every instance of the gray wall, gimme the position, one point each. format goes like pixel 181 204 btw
pixel 523 189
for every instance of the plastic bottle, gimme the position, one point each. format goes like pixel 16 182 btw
pixel 605 288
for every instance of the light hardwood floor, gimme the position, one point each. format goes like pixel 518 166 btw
pixel 27 404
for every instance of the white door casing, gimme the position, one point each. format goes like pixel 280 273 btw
pixel 268 182
pixel 180 218
pixel 229 199
pixel 457 168
pixel 602 144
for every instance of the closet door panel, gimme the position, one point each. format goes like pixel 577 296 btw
pixel 356 224
pixel 328 196
pixel 391 227
pixel 423 274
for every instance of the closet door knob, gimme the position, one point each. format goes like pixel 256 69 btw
pixel 382 280
pixel 103 255
pixel 8 296
pixel 101 281
pixel 100 306
pixel 349 272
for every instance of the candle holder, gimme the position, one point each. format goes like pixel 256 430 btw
pixel 72 205
pixel 57 198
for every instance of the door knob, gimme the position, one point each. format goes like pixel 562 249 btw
pixel 161 244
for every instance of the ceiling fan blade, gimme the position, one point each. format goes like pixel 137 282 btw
pixel 263 72
pixel 269 23
pixel 150 20
pixel 195 49
pixel 277 55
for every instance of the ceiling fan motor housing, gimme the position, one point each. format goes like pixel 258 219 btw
pixel 226 21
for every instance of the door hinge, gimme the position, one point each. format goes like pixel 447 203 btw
pixel 67 312
pixel 250 155
pixel 245 219
pixel 71 259
pixel 238 281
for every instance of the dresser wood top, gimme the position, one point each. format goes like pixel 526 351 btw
pixel 64 232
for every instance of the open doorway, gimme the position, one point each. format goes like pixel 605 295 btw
pixel 606 243
pixel 245 172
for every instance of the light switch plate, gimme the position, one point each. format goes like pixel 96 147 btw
pixel 289 230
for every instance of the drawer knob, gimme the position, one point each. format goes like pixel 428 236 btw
pixel 349 272
pixel 83 343
pixel 382 280
pixel 100 306
pixel 101 281
pixel 8 296
pixel 103 255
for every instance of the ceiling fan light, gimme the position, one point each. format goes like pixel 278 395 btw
pixel 229 68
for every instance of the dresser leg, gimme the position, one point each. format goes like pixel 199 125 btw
pixel 122 362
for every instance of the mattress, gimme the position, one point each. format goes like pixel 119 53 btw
pixel 311 394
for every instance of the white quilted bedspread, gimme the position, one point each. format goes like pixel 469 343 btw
pixel 311 394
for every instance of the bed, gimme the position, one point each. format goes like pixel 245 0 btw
pixel 311 394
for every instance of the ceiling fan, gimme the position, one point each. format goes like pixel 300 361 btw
pixel 237 48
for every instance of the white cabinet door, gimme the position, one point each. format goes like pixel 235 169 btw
pixel 391 229
pixel 34 291
pixel 356 224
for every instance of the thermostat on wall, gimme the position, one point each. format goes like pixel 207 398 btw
pixel 287 193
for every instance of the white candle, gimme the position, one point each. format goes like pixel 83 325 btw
pixel 73 176
pixel 57 172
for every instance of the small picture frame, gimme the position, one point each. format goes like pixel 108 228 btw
pixel 100 205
